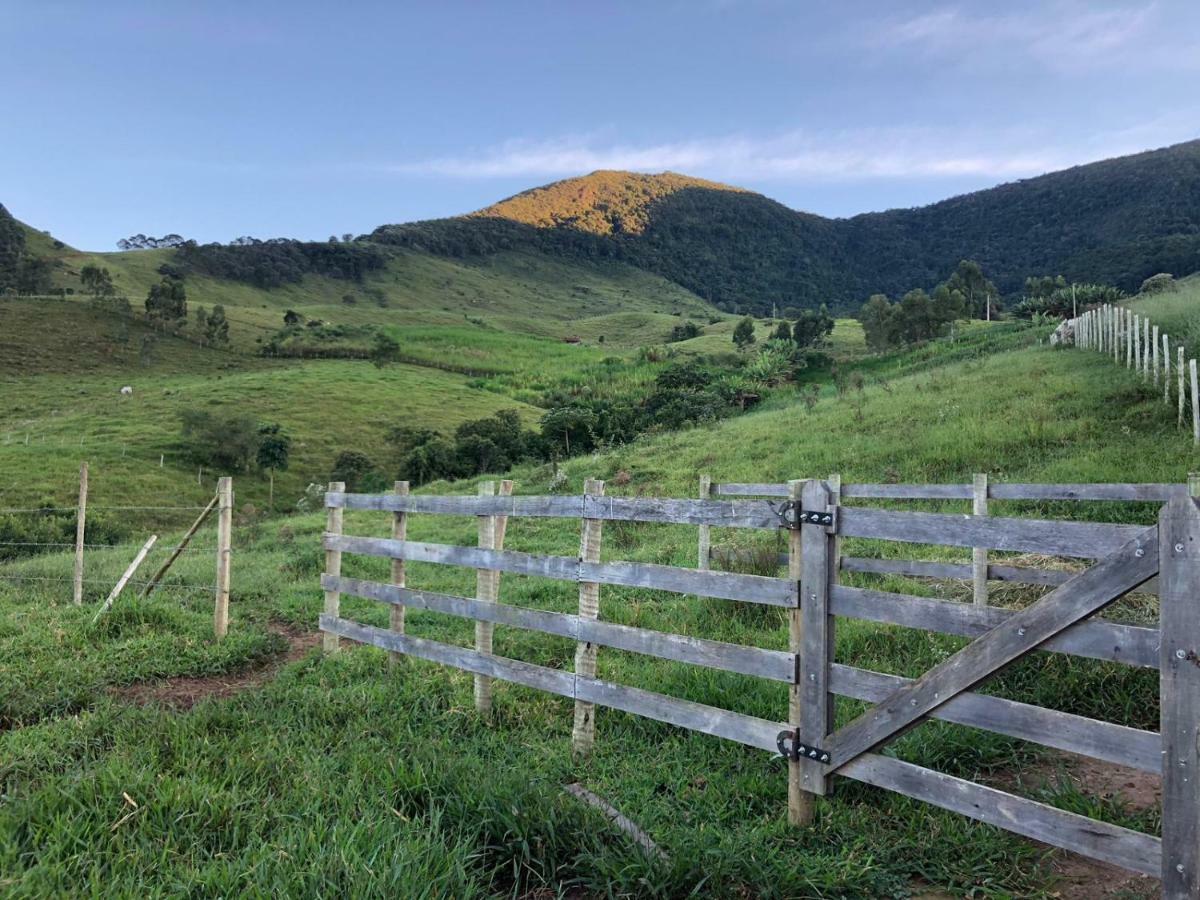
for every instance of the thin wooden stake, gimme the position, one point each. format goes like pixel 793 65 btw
pixel 1166 351
pixel 1195 402
pixel 704 532
pixel 333 566
pixel 1146 350
pixel 224 555
pixel 1179 370
pixel 80 528
pixel 1155 345
pixel 178 551
pixel 120 585
pixel 979 555
pixel 583 733
pixel 399 533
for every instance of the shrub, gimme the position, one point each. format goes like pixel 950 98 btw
pixel 1156 284
pixel 684 332
pixel 228 442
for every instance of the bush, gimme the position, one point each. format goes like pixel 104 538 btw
pixel 1156 284
pixel 352 467
pixel 227 442
pixel 684 332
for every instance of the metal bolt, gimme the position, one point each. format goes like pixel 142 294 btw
pixel 1179 654
pixel 1139 552
pixel 1021 631
pixel 1179 548
pixel 1179 868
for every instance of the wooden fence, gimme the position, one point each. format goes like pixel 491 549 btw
pixel 1123 558
pixel 1126 336
pixel 980 571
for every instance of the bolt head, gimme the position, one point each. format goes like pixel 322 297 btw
pixel 1179 548
pixel 1179 654
pixel 1139 552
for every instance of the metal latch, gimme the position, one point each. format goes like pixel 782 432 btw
pixel 790 747
pixel 792 516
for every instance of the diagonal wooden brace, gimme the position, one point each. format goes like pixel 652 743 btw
pixel 1086 593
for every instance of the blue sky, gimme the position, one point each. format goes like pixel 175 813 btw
pixel 300 119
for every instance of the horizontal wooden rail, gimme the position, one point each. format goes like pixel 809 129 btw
pixel 775 665
pixel 719 513
pixel 1063 731
pixel 996 491
pixel 1071 831
pixel 1094 638
pixel 1086 540
pixel 720 585
pixel 953 571
pixel 749 730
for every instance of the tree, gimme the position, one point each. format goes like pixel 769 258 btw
pixel 351 467
pixel 743 334
pixel 227 441
pixel 201 317
pixel 881 323
pixel 217 330
pixel 812 327
pixel 274 447
pixel 782 332
pixel 968 279
pixel 291 317
pixel 385 350
pixel 167 301
pixel 96 281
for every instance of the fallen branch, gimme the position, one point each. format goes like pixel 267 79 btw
pixel 615 816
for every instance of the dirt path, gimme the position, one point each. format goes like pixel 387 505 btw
pixel 185 692
pixel 1078 877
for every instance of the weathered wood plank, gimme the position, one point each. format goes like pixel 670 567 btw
pixel 399 533
pixel 1130 849
pixel 953 571
pixel 1086 593
pixel 1106 741
pixel 716 513
pixel 775 665
pixel 1089 540
pixel 736 489
pixel 743 729
pixel 907 491
pixel 817 647
pixel 749 730
pixel 720 585
pixel 1096 639
pixel 1124 492
pixel 801 803
pixel 1179 693
pixel 334 518
pixel 544 507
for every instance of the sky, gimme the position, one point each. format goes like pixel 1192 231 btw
pixel 218 119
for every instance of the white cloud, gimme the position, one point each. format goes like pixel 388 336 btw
pixel 800 156
pixel 1064 35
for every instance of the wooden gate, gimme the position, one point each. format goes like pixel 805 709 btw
pixel 1062 621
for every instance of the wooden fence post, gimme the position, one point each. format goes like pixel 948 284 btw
pixel 979 555
pixel 1128 339
pixel 704 533
pixel 800 804
pixel 487 589
pixel 583 734
pixel 1179 696
pixel 1166 351
pixel 333 566
pixel 1116 334
pixel 1137 343
pixel 399 533
pixel 1146 350
pixel 1155 345
pixel 817 639
pixel 835 498
pixel 1195 402
pixel 1182 386
pixel 224 554
pixel 80 528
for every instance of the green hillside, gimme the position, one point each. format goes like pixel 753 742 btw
pixel 467 810
pixel 1116 221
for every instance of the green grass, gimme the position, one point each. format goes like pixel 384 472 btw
pixel 338 777
pixel 1176 312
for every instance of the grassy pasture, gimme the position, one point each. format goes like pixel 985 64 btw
pixel 338 777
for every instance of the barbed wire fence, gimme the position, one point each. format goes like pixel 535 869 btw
pixel 195 567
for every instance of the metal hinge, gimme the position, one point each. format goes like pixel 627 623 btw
pixel 790 747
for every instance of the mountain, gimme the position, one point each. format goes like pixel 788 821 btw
pixel 1116 221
